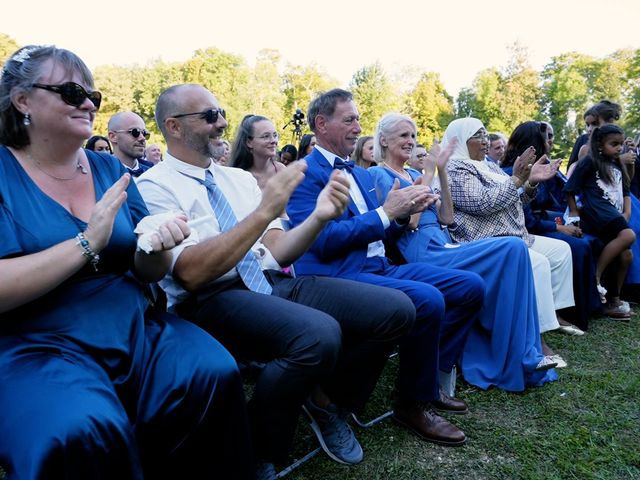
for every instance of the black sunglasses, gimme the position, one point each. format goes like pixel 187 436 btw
pixel 72 93
pixel 210 116
pixel 135 133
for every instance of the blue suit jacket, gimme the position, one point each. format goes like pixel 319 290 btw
pixel 341 248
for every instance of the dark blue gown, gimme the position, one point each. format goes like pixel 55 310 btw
pixel 503 347
pixel 93 383
pixel 539 215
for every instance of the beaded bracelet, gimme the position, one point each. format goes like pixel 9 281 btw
pixel 93 257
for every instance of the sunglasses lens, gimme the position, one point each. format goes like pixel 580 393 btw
pixel 211 116
pixel 136 132
pixel 96 98
pixel 72 93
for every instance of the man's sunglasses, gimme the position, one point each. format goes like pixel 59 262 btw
pixel 135 133
pixel 72 93
pixel 210 116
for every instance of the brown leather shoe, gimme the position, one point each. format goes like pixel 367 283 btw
pixel 449 404
pixel 420 419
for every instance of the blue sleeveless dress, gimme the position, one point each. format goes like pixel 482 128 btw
pixel 95 384
pixel 503 348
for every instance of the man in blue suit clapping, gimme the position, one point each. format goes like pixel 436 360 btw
pixel 351 246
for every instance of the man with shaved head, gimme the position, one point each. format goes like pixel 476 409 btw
pixel 322 339
pixel 128 135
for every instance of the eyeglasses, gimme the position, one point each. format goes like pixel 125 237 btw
pixel 268 136
pixel 72 93
pixel 135 133
pixel 210 116
pixel 482 136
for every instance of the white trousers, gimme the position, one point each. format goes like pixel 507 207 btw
pixel 553 277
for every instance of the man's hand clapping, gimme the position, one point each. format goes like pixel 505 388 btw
pixel 279 188
pixel 333 198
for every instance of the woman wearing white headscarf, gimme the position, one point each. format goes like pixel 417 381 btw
pixel 488 203
pixel 503 348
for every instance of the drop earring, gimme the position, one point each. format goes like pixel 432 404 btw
pixel 27 119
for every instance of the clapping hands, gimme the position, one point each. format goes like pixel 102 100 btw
pixel 333 198
pixel 543 169
pixel 526 168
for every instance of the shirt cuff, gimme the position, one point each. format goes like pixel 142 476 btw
pixel 383 217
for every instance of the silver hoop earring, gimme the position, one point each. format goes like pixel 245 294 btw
pixel 27 119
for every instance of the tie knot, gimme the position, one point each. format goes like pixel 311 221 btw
pixel 342 165
pixel 208 179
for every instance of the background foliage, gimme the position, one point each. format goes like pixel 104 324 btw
pixel 500 96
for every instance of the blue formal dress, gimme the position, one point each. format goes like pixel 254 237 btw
pixel 633 274
pixel 93 383
pixel 503 348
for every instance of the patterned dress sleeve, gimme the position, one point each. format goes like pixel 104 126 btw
pixel 477 194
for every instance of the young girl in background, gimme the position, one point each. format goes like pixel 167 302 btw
pixel 603 184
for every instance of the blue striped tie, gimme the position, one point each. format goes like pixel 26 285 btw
pixel 248 268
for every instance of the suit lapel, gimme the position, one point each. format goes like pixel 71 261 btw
pixel 363 180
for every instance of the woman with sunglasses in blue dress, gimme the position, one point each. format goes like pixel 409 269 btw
pixel 95 382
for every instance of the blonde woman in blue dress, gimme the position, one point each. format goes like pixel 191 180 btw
pixel 503 349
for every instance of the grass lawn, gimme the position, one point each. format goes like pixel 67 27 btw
pixel 584 426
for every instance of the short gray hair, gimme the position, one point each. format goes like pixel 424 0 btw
pixel 325 104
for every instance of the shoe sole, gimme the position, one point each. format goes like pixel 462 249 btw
pixel 428 439
pixel 318 432
pixel 570 331
pixel 453 412
pixel 546 367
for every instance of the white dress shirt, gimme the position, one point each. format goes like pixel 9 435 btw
pixel 374 249
pixel 172 186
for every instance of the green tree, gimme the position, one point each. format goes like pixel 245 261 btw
pixel 374 95
pixel 117 85
pixel 263 93
pixel 565 96
pixel 430 106
pixel 520 92
pixel 300 85
pixel 484 100
pixel 502 99
pixel 7 46
pixel 633 110
pixel 227 76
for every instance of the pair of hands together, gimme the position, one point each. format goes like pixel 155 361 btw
pixel 100 226
pixel 419 196
pixel 331 203
pixel 527 168
pixel 334 197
